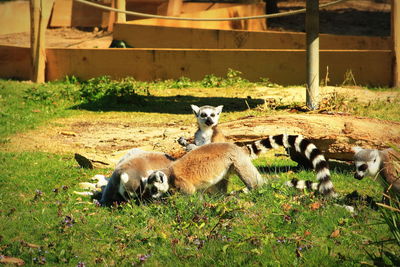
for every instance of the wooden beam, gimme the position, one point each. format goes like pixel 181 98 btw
pixel 40 11
pixel 121 17
pixel 174 7
pixel 312 46
pixel 396 42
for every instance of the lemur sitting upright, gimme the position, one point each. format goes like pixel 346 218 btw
pixel 371 162
pixel 207 132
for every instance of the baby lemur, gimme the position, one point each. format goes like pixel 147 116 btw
pixel 372 162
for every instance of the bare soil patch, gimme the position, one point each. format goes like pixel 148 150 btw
pixel 63 38
pixel 106 136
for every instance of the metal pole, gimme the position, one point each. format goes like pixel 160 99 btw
pixel 312 39
pixel 396 42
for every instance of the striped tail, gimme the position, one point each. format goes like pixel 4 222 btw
pixel 307 149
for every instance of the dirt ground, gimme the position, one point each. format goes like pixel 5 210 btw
pixel 107 136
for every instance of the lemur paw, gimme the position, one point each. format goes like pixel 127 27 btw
pixel 190 147
pixel 182 141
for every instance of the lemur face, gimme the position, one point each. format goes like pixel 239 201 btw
pixel 367 162
pixel 207 116
pixel 157 184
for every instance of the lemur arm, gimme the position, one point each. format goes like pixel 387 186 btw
pixel 188 147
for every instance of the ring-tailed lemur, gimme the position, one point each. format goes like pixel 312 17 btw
pixel 209 164
pixel 207 132
pixel 372 162
pixel 129 177
pixel 207 120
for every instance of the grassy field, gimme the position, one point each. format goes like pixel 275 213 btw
pixel 43 222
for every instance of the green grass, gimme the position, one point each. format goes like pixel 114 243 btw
pixel 42 221
pixel 24 106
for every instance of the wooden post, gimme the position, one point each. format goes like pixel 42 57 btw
pixel 174 7
pixel 111 18
pixel 312 39
pixel 40 13
pixel 121 17
pixel 396 42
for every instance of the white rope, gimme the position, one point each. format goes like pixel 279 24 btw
pixel 275 15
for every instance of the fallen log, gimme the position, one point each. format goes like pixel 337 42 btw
pixel 334 134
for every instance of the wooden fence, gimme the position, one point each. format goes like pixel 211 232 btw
pixel 369 67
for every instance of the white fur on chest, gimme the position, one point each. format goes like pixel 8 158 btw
pixel 203 137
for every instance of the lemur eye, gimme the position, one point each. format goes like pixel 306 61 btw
pixel 374 160
pixel 363 167
pixel 153 190
pixel 212 115
pixel 203 115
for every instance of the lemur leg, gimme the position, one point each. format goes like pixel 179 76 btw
pixel 220 187
pixel 186 188
pixel 109 193
pixel 248 173
pixel 188 147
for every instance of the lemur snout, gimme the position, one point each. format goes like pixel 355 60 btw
pixel 358 177
pixel 209 122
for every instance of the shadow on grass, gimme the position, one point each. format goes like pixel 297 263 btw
pixel 169 104
pixel 335 166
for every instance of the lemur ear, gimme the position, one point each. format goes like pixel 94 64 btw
pixel 195 109
pixel 375 152
pixel 219 109
pixel 356 149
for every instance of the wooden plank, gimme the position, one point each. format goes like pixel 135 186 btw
pixel 396 42
pixel 191 7
pixel 235 11
pixel 62 13
pixel 174 8
pixel 285 67
pixel 15 62
pixel 15 24
pixel 69 13
pixel 172 37
pixel 312 43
